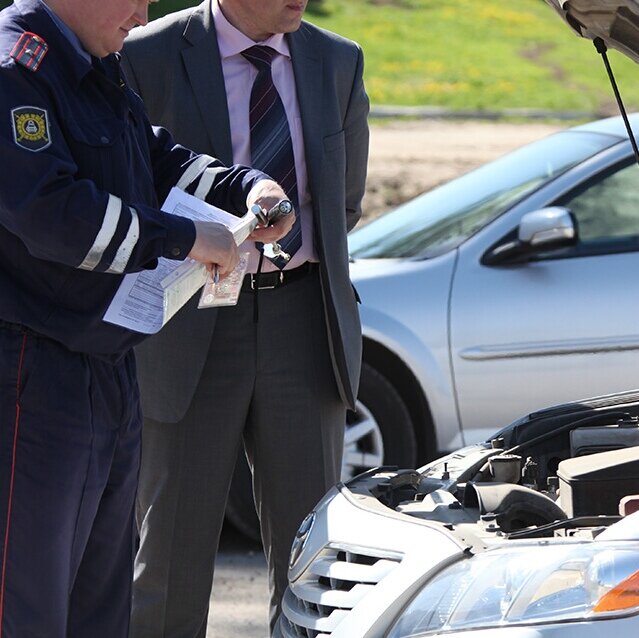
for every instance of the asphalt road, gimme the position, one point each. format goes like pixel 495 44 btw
pixel 239 604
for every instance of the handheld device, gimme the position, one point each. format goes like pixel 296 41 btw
pixel 282 208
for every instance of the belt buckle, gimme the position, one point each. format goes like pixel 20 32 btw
pixel 254 277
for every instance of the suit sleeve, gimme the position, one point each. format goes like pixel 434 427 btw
pixel 357 140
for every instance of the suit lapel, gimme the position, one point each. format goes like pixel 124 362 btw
pixel 207 80
pixel 307 68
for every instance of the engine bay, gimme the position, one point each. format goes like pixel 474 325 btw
pixel 557 472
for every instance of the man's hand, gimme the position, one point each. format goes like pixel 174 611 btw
pixel 266 193
pixel 214 245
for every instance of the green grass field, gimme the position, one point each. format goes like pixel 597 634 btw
pixel 470 54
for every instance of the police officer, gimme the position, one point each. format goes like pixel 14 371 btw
pixel 82 175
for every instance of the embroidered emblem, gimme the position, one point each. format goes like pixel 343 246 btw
pixel 29 51
pixel 30 128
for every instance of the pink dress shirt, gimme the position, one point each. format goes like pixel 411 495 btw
pixel 239 75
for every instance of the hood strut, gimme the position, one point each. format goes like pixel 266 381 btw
pixel 600 45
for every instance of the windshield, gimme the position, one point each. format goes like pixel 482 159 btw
pixel 443 218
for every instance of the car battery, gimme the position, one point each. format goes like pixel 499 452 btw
pixel 594 484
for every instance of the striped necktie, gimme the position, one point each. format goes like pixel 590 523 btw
pixel 271 146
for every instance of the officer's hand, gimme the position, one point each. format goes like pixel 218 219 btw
pixel 266 193
pixel 214 244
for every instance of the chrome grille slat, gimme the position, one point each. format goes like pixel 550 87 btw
pixel 290 630
pixel 352 572
pixel 330 587
pixel 311 593
pixel 306 618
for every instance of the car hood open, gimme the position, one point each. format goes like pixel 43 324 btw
pixel 616 22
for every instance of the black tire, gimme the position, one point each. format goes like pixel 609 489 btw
pixel 378 399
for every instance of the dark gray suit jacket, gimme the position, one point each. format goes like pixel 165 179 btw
pixel 174 64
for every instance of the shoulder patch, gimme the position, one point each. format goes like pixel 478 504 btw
pixel 29 51
pixel 31 128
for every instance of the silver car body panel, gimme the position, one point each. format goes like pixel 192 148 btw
pixel 621 628
pixel 417 332
pixel 529 334
pixel 541 332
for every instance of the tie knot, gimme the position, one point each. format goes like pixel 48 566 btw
pixel 260 56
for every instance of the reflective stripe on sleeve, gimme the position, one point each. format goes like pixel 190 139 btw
pixel 105 234
pixel 206 182
pixel 194 170
pixel 126 247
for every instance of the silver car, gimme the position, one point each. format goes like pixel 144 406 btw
pixel 515 537
pixel 510 288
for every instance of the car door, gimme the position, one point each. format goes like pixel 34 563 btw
pixel 561 327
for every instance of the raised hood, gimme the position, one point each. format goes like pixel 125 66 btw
pixel 616 22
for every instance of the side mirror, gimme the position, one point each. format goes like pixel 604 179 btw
pixel 547 227
pixel 538 231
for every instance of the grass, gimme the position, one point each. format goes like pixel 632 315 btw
pixel 476 54
pixel 470 54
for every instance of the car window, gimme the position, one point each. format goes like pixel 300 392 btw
pixel 608 210
pixel 444 217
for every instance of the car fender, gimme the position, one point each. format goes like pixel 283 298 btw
pixel 416 332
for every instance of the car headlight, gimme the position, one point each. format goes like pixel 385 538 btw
pixel 529 584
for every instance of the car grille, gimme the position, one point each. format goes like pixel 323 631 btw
pixel 330 587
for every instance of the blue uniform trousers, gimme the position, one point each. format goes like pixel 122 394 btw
pixel 69 460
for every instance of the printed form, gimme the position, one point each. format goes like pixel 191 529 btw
pixel 145 301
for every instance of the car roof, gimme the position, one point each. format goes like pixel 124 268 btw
pixel 611 126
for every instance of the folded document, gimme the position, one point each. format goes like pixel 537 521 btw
pixel 145 301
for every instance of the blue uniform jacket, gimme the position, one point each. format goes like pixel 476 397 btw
pixel 82 173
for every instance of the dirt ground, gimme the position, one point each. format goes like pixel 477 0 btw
pixel 406 159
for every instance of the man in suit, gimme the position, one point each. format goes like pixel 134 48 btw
pixel 209 379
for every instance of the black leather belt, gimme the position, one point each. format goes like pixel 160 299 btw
pixel 270 280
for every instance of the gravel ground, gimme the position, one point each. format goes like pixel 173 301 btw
pixel 239 605
pixel 406 159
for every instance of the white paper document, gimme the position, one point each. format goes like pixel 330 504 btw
pixel 145 301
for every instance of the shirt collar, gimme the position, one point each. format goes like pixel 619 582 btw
pixel 232 41
pixel 67 33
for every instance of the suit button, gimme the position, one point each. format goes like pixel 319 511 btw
pixel 104 140
pixel 176 252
